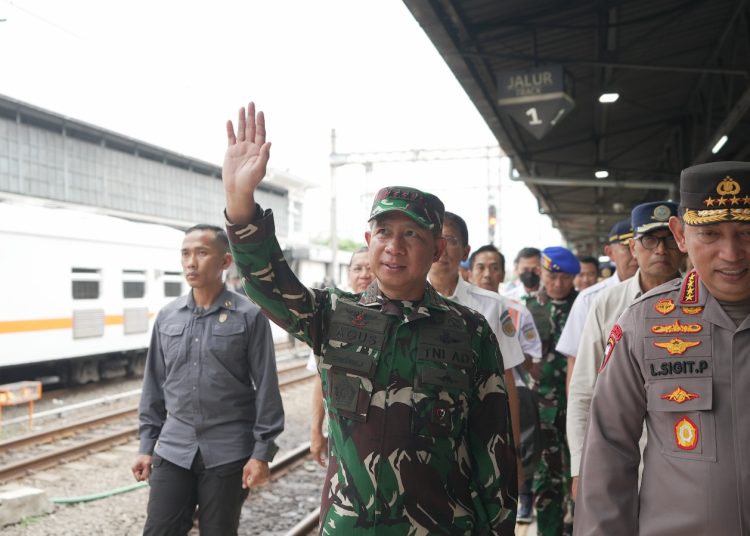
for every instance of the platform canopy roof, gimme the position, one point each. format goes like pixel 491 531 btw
pixel 681 69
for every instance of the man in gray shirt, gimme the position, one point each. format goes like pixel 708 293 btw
pixel 210 408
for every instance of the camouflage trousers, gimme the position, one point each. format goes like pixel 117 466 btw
pixel 552 477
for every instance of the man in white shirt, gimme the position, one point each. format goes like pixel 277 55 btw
pixel 617 250
pixel 659 260
pixel 487 267
pixel 487 272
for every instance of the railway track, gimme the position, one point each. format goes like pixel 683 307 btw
pixel 288 376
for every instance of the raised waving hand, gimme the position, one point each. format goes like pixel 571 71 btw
pixel 244 163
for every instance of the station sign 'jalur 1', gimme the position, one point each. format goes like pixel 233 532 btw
pixel 537 99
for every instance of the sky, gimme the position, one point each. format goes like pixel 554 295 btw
pixel 170 73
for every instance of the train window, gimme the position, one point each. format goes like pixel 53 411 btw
pixel 172 284
pixel 133 283
pixel 86 283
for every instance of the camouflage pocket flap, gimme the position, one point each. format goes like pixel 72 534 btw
pixel 448 378
pixel 347 314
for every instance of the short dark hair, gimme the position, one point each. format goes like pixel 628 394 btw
pixel 459 222
pixel 527 253
pixel 491 249
pixel 588 259
pixel 363 249
pixel 220 236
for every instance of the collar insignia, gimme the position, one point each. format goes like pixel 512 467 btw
pixel 686 434
pixel 690 288
pixel 680 395
pixel 676 327
pixel 677 346
pixel 664 306
pixel 227 303
pixel 692 310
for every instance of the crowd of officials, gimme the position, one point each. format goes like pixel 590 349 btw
pixel 449 402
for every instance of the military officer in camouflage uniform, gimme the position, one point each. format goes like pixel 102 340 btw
pixel 679 358
pixel 419 428
pixel 551 306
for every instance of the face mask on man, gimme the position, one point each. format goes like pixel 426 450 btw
pixel 529 279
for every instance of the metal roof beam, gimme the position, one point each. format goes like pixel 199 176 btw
pixel 612 64
pixel 598 183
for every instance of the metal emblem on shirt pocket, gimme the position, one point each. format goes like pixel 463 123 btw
pixel 223 317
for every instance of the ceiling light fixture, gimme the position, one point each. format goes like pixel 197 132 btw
pixel 601 174
pixel 720 144
pixel 608 98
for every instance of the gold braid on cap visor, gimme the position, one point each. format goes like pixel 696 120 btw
pixel 702 217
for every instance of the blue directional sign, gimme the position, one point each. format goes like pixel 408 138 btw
pixel 537 99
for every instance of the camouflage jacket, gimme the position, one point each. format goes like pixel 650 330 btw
pixel 551 316
pixel 419 428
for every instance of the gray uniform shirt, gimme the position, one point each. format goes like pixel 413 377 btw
pixel 211 384
pixel 676 360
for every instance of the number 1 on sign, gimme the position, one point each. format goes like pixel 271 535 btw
pixel 533 117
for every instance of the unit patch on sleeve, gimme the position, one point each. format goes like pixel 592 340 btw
pixel 680 395
pixel 509 328
pixel 676 346
pixel 686 434
pixel 614 336
pixel 664 306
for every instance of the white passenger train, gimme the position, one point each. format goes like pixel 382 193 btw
pixel 79 291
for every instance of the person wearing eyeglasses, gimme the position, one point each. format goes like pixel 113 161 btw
pixel 659 260
pixel 678 360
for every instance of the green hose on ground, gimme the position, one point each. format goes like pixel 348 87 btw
pixel 97 496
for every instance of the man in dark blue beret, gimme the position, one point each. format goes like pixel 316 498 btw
pixel 554 300
pixel 679 359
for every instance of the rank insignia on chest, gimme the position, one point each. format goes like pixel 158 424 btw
pixel 664 306
pixel 680 395
pixel 686 434
pixel 676 327
pixel 692 310
pixel 676 346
